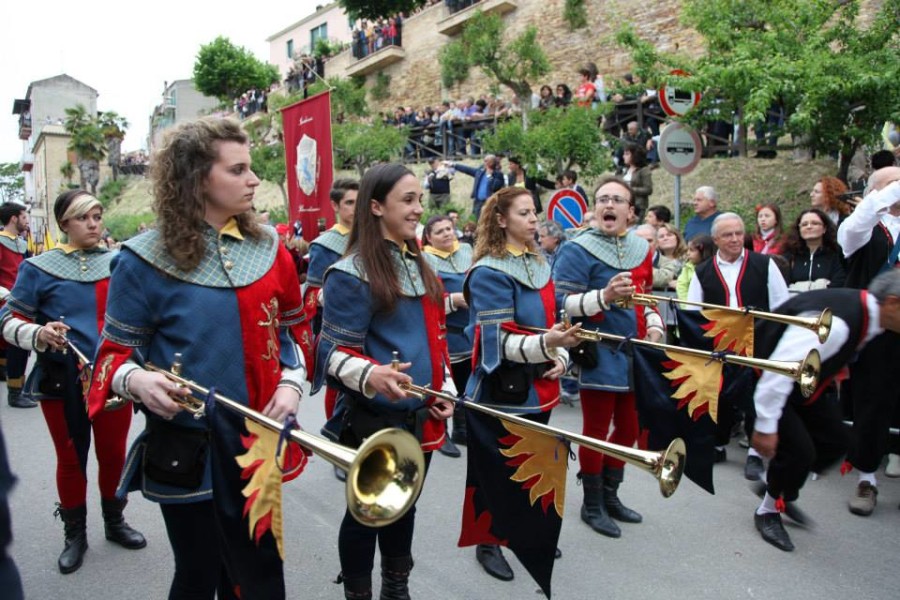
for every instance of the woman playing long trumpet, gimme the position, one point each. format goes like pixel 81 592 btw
pixel 71 280
pixel 509 285
pixel 214 285
pixel 382 298
pixel 594 270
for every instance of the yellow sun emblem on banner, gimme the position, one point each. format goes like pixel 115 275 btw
pixel 729 331
pixel 542 460
pixel 697 381
pixel 263 490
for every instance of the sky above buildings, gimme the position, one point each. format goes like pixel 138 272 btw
pixel 125 51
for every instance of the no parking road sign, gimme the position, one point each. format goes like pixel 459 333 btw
pixel 567 207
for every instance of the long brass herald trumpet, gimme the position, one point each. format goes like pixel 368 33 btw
pixel 666 466
pixel 384 475
pixel 805 372
pixel 820 325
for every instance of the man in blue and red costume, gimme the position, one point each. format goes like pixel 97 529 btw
pixel 802 434
pixel 593 271
pixel 216 289
pixel 324 251
pixel 13 250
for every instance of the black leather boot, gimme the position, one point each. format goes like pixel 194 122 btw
pixel 491 559
pixel 614 507
pixel 117 530
pixel 75 524
pixel 356 588
pixel 459 435
pixel 593 511
pixel 395 577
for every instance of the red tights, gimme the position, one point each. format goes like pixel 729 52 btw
pixel 598 409
pixel 110 431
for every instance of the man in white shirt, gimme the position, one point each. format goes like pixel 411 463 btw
pixel 737 278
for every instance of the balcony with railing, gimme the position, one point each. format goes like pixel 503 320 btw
pixel 376 61
pixel 23 109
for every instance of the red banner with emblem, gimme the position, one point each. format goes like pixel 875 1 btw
pixel 307 154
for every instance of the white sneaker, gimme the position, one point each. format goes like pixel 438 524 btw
pixel 893 466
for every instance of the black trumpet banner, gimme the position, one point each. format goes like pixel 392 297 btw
pixel 677 396
pixel 515 492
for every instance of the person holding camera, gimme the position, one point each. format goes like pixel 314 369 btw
pixel 437 182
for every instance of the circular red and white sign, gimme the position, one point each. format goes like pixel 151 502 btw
pixel 680 149
pixel 676 102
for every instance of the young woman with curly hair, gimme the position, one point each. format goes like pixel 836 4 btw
pixel 216 287
pixel 509 285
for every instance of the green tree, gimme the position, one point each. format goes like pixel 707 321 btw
pixel 226 71
pixel 348 97
pixel 554 141
pixel 834 77
pixel 361 145
pixel 67 170
pixel 375 9
pixel 268 164
pixel 12 183
pixel 87 143
pixel 511 63
pixel 113 127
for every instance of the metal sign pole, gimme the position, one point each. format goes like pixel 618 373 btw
pixel 678 201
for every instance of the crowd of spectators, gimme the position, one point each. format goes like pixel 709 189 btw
pixel 371 36
pixel 251 102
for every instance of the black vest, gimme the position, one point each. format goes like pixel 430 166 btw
pixel 752 285
pixel 864 264
pixel 845 304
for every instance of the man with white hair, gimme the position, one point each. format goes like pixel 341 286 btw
pixel 870 238
pixel 705 212
pixel 738 278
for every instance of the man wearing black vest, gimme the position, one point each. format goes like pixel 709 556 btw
pixel 798 434
pixel 737 278
pixel 870 238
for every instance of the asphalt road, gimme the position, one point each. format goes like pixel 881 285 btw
pixel 693 545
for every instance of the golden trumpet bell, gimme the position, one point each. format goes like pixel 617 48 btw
pixel 388 470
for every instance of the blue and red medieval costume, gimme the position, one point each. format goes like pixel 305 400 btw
pixel 13 360
pixel 451 267
pixel 583 268
pixel 236 320
pixel 509 364
pixel 356 336
pixel 324 251
pixel 71 284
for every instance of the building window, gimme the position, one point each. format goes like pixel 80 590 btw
pixel 316 34
pixel 290 48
